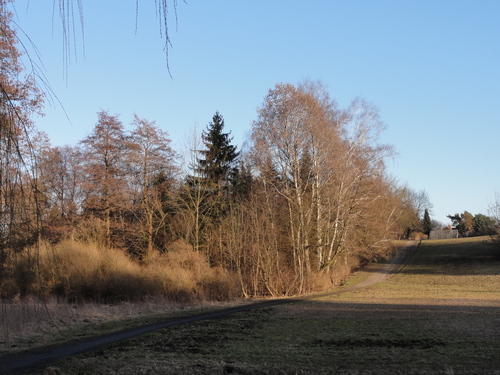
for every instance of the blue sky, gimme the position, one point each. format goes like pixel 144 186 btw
pixel 431 67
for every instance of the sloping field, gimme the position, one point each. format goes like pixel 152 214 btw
pixel 440 314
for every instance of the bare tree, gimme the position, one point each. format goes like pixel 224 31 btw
pixel 329 165
pixel 494 209
pixel 413 205
pixel 151 161
pixel 61 174
pixel 296 134
pixel 194 197
pixel 19 99
pixel 104 157
pixel 358 164
pixel 280 138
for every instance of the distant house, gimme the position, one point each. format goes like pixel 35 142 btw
pixel 443 234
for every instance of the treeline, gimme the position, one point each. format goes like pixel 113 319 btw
pixel 468 224
pixel 309 200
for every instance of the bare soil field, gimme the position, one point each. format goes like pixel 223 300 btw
pixel 438 314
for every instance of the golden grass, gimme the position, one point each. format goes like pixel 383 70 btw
pixel 80 272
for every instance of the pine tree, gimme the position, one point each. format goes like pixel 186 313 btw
pixel 217 166
pixel 241 182
pixel 218 159
pixel 207 192
pixel 427 223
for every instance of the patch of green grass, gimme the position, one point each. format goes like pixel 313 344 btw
pixel 438 315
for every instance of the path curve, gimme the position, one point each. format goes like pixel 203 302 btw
pixel 19 363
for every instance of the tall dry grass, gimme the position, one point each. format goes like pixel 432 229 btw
pixel 79 272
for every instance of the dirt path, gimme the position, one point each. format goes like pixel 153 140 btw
pixel 29 360
pixel 400 258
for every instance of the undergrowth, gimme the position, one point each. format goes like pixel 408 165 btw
pixel 78 272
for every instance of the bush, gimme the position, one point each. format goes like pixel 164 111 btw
pixel 187 274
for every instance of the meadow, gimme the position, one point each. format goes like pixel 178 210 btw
pixel 440 314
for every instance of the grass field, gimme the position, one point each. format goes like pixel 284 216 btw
pixel 440 314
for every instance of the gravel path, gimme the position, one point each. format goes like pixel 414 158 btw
pixel 30 360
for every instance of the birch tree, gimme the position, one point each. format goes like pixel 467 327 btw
pixel 358 162
pixel 193 197
pixel 286 137
pixel 328 162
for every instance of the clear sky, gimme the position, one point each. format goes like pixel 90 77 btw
pixel 432 67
